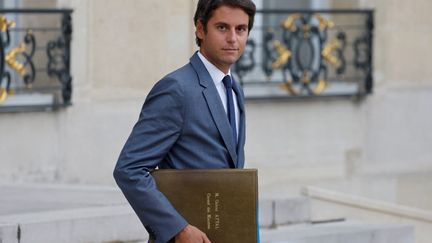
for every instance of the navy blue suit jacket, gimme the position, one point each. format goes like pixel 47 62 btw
pixel 182 125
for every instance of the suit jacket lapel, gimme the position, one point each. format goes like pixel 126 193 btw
pixel 215 105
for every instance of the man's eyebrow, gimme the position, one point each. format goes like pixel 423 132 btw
pixel 226 24
pixel 221 23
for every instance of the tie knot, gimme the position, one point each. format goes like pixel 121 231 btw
pixel 227 82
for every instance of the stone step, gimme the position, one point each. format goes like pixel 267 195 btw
pixel 339 232
pixel 67 214
pixel 30 213
pixel 33 214
pixel 284 211
pixel 26 198
pixel 97 224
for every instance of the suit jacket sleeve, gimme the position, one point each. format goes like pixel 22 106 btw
pixel 159 126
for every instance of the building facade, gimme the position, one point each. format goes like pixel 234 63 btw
pixel 121 48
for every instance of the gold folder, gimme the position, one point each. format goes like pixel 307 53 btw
pixel 220 202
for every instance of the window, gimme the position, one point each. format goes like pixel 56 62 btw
pixel 304 49
pixel 34 58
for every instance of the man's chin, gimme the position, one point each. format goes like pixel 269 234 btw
pixel 231 60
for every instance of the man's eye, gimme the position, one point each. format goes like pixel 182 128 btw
pixel 241 29
pixel 220 27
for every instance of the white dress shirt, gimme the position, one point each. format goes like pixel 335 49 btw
pixel 217 76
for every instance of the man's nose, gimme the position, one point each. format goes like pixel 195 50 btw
pixel 231 35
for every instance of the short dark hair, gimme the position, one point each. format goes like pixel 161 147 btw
pixel 206 8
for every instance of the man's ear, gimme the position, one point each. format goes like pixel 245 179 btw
pixel 200 33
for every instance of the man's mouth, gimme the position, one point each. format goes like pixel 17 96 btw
pixel 230 49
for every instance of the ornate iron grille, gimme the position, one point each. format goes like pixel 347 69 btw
pixel 308 53
pixel 35 59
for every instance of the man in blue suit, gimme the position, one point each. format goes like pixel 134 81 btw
pixel 192 118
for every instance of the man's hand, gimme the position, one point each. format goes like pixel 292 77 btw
pixel 191 234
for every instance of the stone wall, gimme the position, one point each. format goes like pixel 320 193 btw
pixel 121 48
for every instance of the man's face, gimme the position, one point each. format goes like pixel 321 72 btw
pixel 225 40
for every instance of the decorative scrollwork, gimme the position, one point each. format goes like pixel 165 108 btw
pixel 269 55
pixel 11 59
pixel 18 52
pixel 339 52
pixel 327 52
pixel 310 53
pixel 4 42
pixel 3 94
pixel 5 24
pixel 4 28
pixel 289 22
pixel 324 23
pixel 361 57
pixel 284 55
pixel 30 40
pixel 363 54
pixel 58 52
pixel 247 61
pixel 25 69
pixel 57 62
pixel 5 91
pixel 302 54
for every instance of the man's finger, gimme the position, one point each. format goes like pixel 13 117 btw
pixel 206 240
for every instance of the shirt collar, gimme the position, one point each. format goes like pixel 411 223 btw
pixel 216 74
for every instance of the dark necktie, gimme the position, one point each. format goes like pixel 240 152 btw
pixel 230 106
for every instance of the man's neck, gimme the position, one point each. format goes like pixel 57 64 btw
pixel 225 70
pixel 210 66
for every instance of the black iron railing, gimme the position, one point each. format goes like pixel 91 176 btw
pixel 308 53
pixel 35 59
